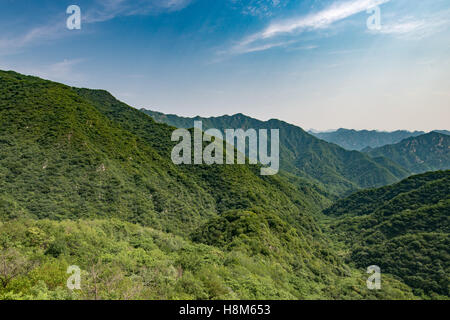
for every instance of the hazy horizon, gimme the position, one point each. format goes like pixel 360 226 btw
pixel 304 128
pixel 315 64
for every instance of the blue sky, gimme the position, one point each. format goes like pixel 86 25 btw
pixel 309 62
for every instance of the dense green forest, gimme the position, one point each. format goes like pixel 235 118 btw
pixel 403 228
pixel 428 152
pixel 87 180
pixel 337 170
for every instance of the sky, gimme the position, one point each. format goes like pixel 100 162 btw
pixel 317 64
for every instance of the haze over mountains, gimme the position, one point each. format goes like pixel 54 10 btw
pixel 338 170
pixel 335 167
pixel 87 180
pixel 361 139
pixel 77 167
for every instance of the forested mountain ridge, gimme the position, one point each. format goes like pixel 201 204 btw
pixel 428 152
pixel 361 139
pixel 403 228
pixel 339 171
pixel 112 162
pixel 443 132
pixel 87 180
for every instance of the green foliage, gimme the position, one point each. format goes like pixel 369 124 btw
pixel 87 180
pixel 337 170
pixel 76 153
pixel 403 228
pixel 419 154
pixel 120 260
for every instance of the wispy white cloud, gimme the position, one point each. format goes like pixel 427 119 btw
pixel 10 44
pixel 104 10
pixel 304 47
pixel 402 27
pixel 260 8
pixel 267 46
pixel 100 11
pixel 63 71
pixel 405 27
pixel 336 12
pixel 411 27
pixel 319 20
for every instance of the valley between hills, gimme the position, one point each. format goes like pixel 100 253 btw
pixel 87 180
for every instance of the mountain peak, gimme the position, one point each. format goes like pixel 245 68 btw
pixel 427 152
pixel 304 155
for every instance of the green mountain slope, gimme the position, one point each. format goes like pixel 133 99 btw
pixel 403 228
pixel 427 152
pixel 111 162
pixel 119 260
pixel 362 139
pixel 339 171
pixel 87 180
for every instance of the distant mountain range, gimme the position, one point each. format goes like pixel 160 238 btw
pixel 80 154
pixel 338 170
pixel 443 132
pixel 427 152
pixel 87 180
pixel 361 139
